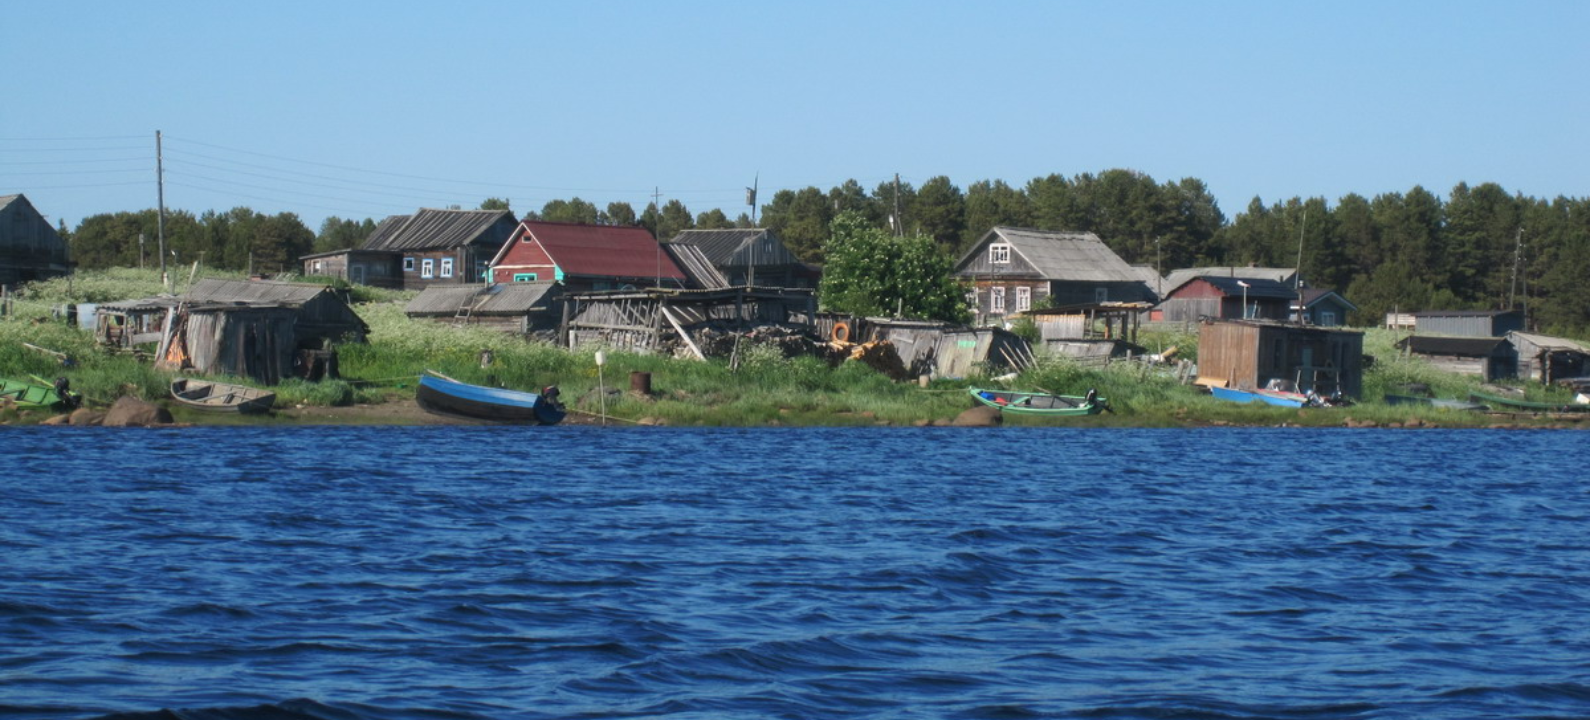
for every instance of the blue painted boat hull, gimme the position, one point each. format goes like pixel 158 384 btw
pixel 1246 396
pixel 442 396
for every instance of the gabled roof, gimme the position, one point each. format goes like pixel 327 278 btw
pixel 431 229
pixel 499 299
pixel 219 290
pixel 1547 342
pixel 603 250
pixel 1059 254
pixel 737 246
pixel 8 199
pixel 1312 297
pixel 1177 278
pixel 1232 287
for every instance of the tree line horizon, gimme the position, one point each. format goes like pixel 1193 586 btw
pixel 1479 248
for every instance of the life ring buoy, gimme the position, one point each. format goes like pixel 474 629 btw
pixel 841 332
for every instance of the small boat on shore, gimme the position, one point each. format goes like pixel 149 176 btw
pixel 1041 403
pixel 36 392
pixel 1498 402
pixel 1270 397
pixel 442 395
pixel 211 396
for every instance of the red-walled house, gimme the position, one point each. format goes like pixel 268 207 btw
pixel 585 257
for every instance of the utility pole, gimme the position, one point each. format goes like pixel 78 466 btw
pixel 656 203
pixel 899 222
pixel 1518 259
pixel 750 197
pixel 160 218
pixel 1297 272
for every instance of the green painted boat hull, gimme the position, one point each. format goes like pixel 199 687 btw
pixel 1039 403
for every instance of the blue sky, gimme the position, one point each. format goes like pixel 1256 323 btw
pixel 366 109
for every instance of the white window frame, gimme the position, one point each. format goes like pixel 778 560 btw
pixel 1023 298
pixel 996 299
pixel 524 277
pixel 408 264
pixel 427 268
pixel 447 267
pixel 999 254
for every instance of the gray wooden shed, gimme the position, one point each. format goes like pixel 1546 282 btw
pixel 1468 323
pixel 521 308
pixel 1489 358
pixel 29 248
pixel 1548 359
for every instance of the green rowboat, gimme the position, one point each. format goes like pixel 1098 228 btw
pixel 1040 403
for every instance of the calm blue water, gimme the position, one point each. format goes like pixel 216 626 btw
pixel 453 573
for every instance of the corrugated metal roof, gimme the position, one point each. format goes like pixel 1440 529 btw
pixel 499 299
pixel 1177 278
pixel 1062 255
pixel 693 260
pixel 604 250
pixel 1257 287
pixel 738 246
pixel 218 290
pixel 431 229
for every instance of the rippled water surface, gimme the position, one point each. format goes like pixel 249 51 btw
pixel 460 573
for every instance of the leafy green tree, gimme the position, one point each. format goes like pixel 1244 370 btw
pixel 675 219
pixel 872 272
pixel 495 204
pixel 339 234
pixel 801 220
pixel 939 211
pixel 713 219
pixel 619 213
pixel 569 211
pixel 990 204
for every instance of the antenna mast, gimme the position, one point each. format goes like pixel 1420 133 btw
pixel 160 218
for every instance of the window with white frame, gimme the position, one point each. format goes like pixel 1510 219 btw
pixel 427 268
pixel 999 254
pixel 447 267
pixel 996 299
pixel 1023 299
pixel 408 264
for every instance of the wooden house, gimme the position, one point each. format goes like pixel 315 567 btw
pixel 412 252
pixel 749 256
pixel 1488 358
pixel 585 258
pixel 29 248
pixel 1321 307
pixel 1013 270
pixel 521 308
pixel 376 268
pixel 1248 354
pixel 1468 323
pixel 1549 359
pixel 1222 297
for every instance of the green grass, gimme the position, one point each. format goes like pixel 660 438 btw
pixel 764 388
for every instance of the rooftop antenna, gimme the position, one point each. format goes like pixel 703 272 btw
pixel 656 204
pixel 160 218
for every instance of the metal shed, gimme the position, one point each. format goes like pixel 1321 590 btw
pixel 1468 323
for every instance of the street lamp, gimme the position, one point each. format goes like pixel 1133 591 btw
pixel 1245 287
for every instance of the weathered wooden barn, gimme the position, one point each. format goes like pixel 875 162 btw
pixel 1549 359
pixel 322 315
pixel 1248 354
pixel 376 268
pixel 1013 270
pixel 252 341
pixel 663 319
pixel 521 308
pixel 749 256
pixel 412 252
pixel 30 249
pixel 1227 298
pixel 1468 323
pixel 585 257
pixel 1488 358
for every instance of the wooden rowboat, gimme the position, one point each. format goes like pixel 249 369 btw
pixel 213 396
pixel 1040 403
pixel 38 393
pixel 442 395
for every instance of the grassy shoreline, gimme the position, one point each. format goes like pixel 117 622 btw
pixel 763 388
